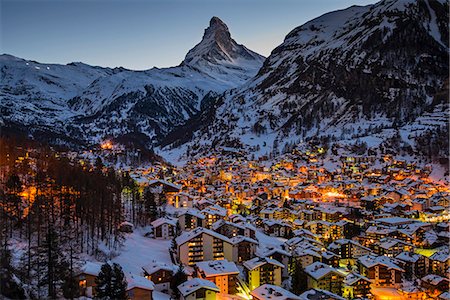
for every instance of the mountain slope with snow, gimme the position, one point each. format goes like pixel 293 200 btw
pixel 93 103
pixel 369 73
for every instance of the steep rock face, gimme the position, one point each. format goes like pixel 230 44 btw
pixel 92 103
pixel 362 72
pixel 218 52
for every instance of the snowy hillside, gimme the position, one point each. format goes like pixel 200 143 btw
pixel 92 103
pixel 368 73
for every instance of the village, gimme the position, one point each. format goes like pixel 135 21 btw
pixel 296 227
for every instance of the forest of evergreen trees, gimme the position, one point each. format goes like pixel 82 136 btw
pixel 52 210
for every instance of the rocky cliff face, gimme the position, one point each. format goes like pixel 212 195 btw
pixel 365 73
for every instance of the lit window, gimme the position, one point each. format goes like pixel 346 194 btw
pixel 83 283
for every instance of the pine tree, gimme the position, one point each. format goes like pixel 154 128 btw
pixel 118 283
pixel 103 281
pixel 174 245
pixel 150 204
pixel 177 279
pixel 70 288
pixel 298 278
pixel 8 286
pixel 111 282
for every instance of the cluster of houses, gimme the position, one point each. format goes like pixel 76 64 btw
pixel 369 229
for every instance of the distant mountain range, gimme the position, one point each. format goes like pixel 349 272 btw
pixel 78 103
pixel 369 74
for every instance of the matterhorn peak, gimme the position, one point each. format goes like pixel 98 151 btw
pixel 217 47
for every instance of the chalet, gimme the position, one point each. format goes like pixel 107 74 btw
pixel 318 294
pixel 259 271
pixel 348 249
pixel 279 255
pixel 325 277
pixel 222 272
pixel 356 286
pixel 126 227
pixel 190 219
pixel 244 248
pixel 440 262
pixel 160 274
pixel 86 278
pixel 435 283
pixel 277 228
pixel 198 288
pixel 202 244
pixel 382 270
pixel 270 291
pixel 230 229
pixel 391 247
pixel 164 228
pixel 415 265
pixel 139 287
pixel 182 199
pixel 213 214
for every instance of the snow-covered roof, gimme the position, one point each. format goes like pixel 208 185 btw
pixel 161 221
pixel 442 255
pixel 195 284
pixel 318 270
pixel 434 279
pixel 372 260
pixel 353 278
pixel 395 221
pixel 273 292
pixel 91 268
pixel 186 236
pixel 193 212
pixel 156 266
pixel 240 238
pixel 260 261
pixel 217 267
pixel 136 281
pixel 318 294
pixel 165 182
pixel 445 296
pixel 408 257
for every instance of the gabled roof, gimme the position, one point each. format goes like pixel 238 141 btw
pixel 370 261
pixel 353 278
pixel 188 235
pixel 273 292
pixel 217 267
pixel 193 212
pixel 318 294
pixel 319 270
pixel 195 284
pixel 91 268
pixel 156 266
pixel 240 238
pixel 165 182
pixel 260 261
pixel 161 221
pixel 136 281
pixel 434 279
pixel 408 257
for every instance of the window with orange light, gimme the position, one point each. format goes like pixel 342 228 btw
pixel 82 283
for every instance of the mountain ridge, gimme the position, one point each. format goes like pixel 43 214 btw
pixel 94 103
pixel 365 72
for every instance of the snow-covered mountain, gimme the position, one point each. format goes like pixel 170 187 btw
pixel 367 72
pixel 92 103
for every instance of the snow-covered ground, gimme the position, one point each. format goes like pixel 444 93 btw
pixel 139 251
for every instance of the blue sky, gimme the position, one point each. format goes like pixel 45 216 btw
pixel 140 34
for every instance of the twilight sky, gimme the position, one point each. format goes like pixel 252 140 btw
pixel 140 34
